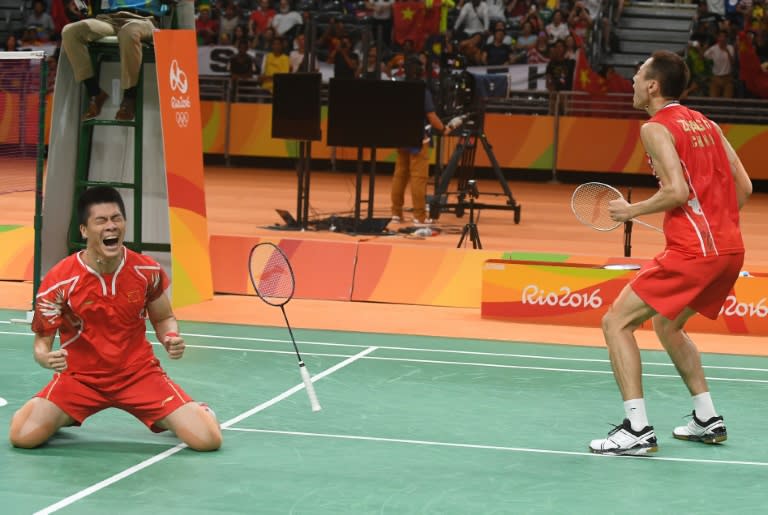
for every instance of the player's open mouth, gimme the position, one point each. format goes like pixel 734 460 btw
pixel 111 242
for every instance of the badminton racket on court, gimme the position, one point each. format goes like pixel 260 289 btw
pixel 272 278
pixel 589 203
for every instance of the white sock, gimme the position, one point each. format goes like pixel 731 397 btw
pixel 703 406
pixel 635 411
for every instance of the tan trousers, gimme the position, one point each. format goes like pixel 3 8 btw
pixel 721 86
pixel 131 30
pixel 413 168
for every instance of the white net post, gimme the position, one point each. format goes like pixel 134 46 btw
pixel 23 91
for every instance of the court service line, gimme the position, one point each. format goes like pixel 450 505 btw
pixel 497 447
pixel 467 363
pixel 456 351
pixel 170 452
pixel 409 349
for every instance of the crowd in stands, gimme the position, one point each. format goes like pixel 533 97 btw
pixel 269 36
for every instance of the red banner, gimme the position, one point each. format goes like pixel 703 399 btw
pixel 177 74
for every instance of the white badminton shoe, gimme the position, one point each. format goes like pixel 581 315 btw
pixel 623 440
pixel 710 431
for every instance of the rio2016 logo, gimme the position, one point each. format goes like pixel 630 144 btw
pixel 563 298
pixel 179 85
pixel 733 308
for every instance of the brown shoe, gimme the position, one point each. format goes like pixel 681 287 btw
pixel 127 110
pixel 95 105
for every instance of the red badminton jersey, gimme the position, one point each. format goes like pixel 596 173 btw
pixel 708 224
pixel 100 318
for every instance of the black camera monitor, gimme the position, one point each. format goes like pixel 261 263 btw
pixel 296 106
pixel 375 113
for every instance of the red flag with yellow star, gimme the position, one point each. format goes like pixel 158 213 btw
pixel 412 20
pixel 586 79
pixel 750 71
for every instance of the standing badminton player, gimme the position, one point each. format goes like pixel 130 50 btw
pixel 97 301
pixel 702 187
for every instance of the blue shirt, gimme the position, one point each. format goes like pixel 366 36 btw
pixel 149 6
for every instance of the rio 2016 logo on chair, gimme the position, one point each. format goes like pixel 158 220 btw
pixel 179 84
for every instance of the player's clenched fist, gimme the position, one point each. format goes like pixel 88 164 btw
pixel 174 344
pixel 56 360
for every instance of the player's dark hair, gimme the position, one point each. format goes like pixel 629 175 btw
pixel 98 195
pixel 671 71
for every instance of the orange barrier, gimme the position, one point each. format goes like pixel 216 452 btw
pixel 579 294
pixel 323 269
pixel 519 141
pixel 18 249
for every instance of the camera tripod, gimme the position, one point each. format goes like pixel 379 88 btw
pixel 470 228
pixel 461 164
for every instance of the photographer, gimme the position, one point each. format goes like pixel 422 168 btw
pixel 345 61
pixel 413 163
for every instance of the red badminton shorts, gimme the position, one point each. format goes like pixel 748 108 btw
pixel 673 281
pixel 145 392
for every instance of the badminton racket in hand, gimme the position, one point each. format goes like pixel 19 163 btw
pixel 590 203
pixel 272 278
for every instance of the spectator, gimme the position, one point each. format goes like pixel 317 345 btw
pixel 381 16
pixel 264 40
pixel 11 43
pixel 396 64
pixel 345 61
pixel 275 62
pixel 722 56
pixel 471 49
pixel 539 53
pixel 498 52
pixel 374 69
pixel 527 39
pixel 516 10
pixel 240 34
pixel 285 20
pixel 227 25
pixel 557 29
pixel 496 10
pixel 499 25
pixel 207 28
pixel 297 55
pixel 700 68
pixel 559 75
pixel 544 11
pixel 242 65
pixel 64 12
pixel 260 19
pixel 331 37
pixel 579 21
pixel 571 48
pixel 41 20
pixel 473 19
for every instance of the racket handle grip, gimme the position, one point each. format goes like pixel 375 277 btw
pixel 310 388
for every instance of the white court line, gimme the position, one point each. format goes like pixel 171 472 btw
pixel 454 351
pixel 170 452
pixel 498 447
pixel 411 349
pixel 466 363
pixel 477 364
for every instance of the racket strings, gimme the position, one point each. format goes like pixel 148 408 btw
pixel 590 205
pixel 272 276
